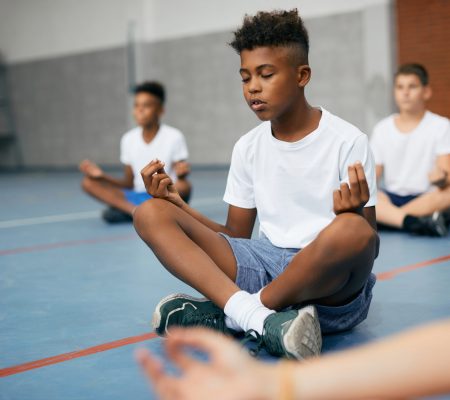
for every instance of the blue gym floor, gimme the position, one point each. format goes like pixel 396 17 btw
pixel 69 283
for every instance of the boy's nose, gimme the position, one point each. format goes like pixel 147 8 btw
pixel 254 88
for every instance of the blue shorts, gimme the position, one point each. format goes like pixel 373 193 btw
pixel 136 198
pixel 398 200
pixel 259 262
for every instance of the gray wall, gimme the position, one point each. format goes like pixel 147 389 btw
pixel 71 107
pixel 77 106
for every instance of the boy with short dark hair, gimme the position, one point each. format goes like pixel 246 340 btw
pixel 137 148
pixel 412 153
pixel 317 243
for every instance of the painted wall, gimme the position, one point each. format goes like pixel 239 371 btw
pixel 424 37
pixel 68 70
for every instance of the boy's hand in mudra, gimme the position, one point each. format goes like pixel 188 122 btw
pixel 352 198
pixel 159 184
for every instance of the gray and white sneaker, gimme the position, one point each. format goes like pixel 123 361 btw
pixel 184 310
pixel 292 334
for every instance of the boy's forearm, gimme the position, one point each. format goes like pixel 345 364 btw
pixel 408 365
pixel 216 227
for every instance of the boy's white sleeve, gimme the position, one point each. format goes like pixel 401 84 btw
pixel 180 151
pixel 361 151
pixel 239 191
pixel 443 142
pixel 124 151
pixel 377 147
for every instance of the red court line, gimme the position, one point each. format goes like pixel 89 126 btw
pixel 147 336
pixel 75 354
pixel 71 243
pixel 383 276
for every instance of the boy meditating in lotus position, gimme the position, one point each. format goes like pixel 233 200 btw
pixel 149 139
pixel 309 176
pixel 412 154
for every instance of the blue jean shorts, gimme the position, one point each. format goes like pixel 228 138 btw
pixel 259 262
pixel 136 198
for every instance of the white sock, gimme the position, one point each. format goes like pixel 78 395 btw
pixel 257 296
pixel 247 311
pixel 232 324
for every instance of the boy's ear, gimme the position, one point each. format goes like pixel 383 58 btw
pixel 427 93
pixel 303 75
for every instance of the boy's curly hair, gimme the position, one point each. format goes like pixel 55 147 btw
pixel 275 28
pixel 151 87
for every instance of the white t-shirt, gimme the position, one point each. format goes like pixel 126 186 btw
pixel 168 146
pixel 291 184
pixel 407 158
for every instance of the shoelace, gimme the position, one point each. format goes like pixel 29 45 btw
pixel 269 339
pixel 253 336
pixel 209 320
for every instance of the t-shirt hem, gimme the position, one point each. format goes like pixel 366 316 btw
pixel 238 202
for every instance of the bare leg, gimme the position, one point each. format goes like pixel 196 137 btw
pixel 108 194
pixel 388 213
pixel 428 203
pixel 331 269
pixel 189 250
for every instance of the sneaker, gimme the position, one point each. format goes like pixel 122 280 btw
pixel 113 215
pixel 293 334
pixel 183 310
pixel 435 225
pixel 446 215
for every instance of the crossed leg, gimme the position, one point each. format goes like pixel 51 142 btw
pixel 423 205
pixel 108 194
pixel 330 270
pixel 426 204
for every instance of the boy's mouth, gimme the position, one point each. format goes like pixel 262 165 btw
pixel 257 105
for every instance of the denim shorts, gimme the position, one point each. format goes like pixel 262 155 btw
pixel 136 198
pixel 259 262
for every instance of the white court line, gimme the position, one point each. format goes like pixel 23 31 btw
pixel 49 219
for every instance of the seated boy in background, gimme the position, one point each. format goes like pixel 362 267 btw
pixel 412 154
pixel 148 141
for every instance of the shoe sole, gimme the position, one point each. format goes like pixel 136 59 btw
pixel 156 319
pixel 306 327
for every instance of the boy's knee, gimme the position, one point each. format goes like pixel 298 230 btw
pixel 148 213
pixel 354 230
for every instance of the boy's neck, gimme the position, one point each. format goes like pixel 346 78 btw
pixel 412 116
pixel 149 132
pixel 297 123
pixel 407 121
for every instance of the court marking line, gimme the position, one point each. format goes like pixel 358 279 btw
pixel 17 369
pixel 71 243
pixel 50 219
pixel 383 276
pixel 75 354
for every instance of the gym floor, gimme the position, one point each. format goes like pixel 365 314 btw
pixel 77 295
